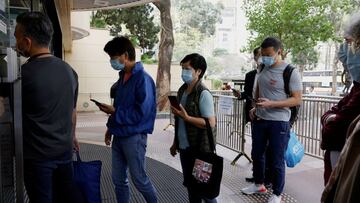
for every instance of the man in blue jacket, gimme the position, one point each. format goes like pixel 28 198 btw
pixel 131 118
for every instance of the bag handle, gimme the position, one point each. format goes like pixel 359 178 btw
pixel 78 156
pixel 210 135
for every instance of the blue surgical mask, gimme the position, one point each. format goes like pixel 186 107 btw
pixel 186 76
pixel 354 71
pixel 116 65
pixel 268 60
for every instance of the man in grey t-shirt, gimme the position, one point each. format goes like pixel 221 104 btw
pixel 271 118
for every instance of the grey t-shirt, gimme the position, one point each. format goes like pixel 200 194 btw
pixel 271 86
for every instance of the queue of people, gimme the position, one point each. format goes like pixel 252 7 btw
pixel 49 125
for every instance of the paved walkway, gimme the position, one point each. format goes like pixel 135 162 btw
pixel 304 183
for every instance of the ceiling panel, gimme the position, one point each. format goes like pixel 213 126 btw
pixel 19 3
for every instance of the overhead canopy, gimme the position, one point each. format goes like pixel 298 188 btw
pixel 107 4
pixel 64 8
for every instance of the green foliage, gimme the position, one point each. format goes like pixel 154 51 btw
pixel 147 59
pixel 220 52
pixel 187 43
pixel 198 14
pixel 216 84
pixel 339 9
pixel 138 20
pixel 307 58
pixel 97 22
pixel 213 65
pixel 299 24
pixel 194 23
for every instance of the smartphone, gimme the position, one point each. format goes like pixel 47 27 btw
pixel 96 102
pixel 174 102
pixel 254 100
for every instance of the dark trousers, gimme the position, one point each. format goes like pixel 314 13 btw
pixel 275 136
pixel 49 181
pixel 268 174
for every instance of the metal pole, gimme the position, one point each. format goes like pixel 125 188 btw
pixel 242 140
pixel 18 141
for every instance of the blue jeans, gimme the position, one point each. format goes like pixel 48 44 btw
pixel 187 163
pixel 129 153
pixel 49 181
pixel 275 135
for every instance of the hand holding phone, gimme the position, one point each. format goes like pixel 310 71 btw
pixel 96 102
pixel 174 102
pixel 236 93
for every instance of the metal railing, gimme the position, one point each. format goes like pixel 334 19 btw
pixel 307 127
pixel 231 129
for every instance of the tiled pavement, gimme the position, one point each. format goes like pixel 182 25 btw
pixel 304 183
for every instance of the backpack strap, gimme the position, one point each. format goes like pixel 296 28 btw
pixel 262 66
pixel 287 75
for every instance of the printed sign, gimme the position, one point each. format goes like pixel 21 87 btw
pixel 225 105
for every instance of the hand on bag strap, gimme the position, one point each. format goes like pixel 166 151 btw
pixel 210 135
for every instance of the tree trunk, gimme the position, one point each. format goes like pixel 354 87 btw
pixel 165 55
pixel 301 72
pixel 334 74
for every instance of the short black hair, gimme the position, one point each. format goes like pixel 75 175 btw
pixel 36 26
pixel 256 51
pixel 271 42
pixel 196 61
pixel 120 45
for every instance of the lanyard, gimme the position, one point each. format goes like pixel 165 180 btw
pixel 36 56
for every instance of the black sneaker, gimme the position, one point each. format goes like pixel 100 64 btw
pixel 250 179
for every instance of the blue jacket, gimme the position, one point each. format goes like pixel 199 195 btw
pixel 135 104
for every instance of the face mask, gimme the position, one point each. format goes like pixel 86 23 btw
pixel 268 60
pixel 354 71
pixel 116 65
pixel 259 61
pixel 186 76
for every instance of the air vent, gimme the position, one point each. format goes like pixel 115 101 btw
pixel 85 105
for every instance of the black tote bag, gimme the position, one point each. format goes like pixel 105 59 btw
pixel 207 170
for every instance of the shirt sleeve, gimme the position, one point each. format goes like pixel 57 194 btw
pixel 206 104
pixel 295 81
pixel 334 132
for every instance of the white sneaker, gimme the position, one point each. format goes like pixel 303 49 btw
pixel 254 188
pixel 275 199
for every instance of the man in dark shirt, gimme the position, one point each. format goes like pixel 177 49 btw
pixel 49 94
pixel 247 94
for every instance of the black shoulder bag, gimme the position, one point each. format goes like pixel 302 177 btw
pixel 207 170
